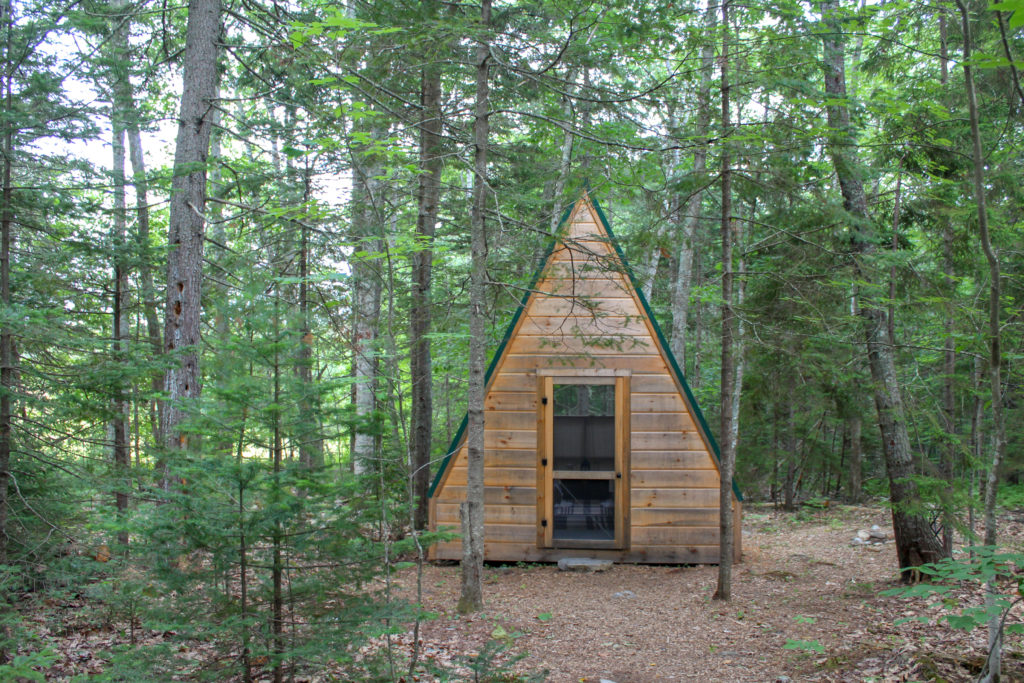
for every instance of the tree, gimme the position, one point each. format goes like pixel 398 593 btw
pixel 472 510
pixel 727 463
pixel 994 337
pixel 187 225
pixel 916 543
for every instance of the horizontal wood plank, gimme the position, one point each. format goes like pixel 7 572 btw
pixel 653 383
pixel 657 403
pixel 674 498
pixel 669 460
pixel 448 513
pixel 521 439
pixel 609 344
pixel 680 535
pixel 504 419
pixel 511 400
pixel 653 517
pixel 545 305
pixel 587 287
pixel 587 325
pixel 493 495
pixel 683 479
pixel 526 552
pixel 496 476
pixel 665 441
pixel 519 362
pixel 662 422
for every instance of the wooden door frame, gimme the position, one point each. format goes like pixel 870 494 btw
pixel 546 380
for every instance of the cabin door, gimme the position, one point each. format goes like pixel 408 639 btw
pixel 583 476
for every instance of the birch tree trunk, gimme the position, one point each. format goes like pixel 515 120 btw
pixel 187 224
pixel 367 226
pixel 916 543
pixel 692 212
pixel 472 510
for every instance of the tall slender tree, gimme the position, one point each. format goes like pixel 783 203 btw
pixel 727 464
pixel 916 543
pixel 187 223
pixel 472 509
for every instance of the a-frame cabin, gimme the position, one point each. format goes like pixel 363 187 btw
pixel 594 444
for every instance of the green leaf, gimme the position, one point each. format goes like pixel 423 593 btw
pixel 805 645
pixel 544 616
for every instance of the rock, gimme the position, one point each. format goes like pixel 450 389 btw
pixel 863 534
pixel 624 594
pixel 606 680
pixel 878 535
pixel 583 564
pixel 783 679
pixel 856 540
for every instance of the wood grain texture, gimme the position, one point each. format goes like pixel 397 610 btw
pixel 584 320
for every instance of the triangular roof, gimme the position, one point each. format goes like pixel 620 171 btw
pixel 585 201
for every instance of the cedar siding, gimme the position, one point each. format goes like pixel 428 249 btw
pixel 584 318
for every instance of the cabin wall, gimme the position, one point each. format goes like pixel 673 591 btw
pixel 589 321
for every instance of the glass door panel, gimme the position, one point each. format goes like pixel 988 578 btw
pixel 583 456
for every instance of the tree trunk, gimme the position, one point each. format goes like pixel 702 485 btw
pixel 187 224
pixel 420 370
pixel 854 492
pixel 125 100
pixel 311 440
pixel 119 408
pixel 6 338
pixel 916 543
pixel 995 341
pixel 367 224
pixel 472 510
pixel 727 462
pixel 692 213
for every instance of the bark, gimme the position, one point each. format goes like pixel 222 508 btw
pixel 949 352
pixel 727 462
pixel 119 422
pixel 692 212
pixel 853 426
pixel 368 218
pixel 187 224
pixel 472 510
pixel 916 543
pixel 311 441
pixel 420 369
pixel 277 564
pixel 995 338
pixel 125 100
pixel 6 338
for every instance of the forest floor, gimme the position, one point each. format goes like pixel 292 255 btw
pixel 806 606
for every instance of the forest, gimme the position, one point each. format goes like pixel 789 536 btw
pixel 256 255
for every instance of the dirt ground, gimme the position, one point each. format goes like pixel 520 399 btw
pixel 805 607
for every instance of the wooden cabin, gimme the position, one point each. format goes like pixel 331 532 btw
pixel 594 444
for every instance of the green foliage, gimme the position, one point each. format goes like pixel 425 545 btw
pixel 804 646
pixel 986 565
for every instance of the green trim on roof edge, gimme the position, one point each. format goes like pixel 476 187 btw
pixel 453 447
pixel 701 421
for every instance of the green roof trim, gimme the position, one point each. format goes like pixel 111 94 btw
pixel 701 421
pixel 454 446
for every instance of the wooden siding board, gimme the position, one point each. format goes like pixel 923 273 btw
pixel 671 467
